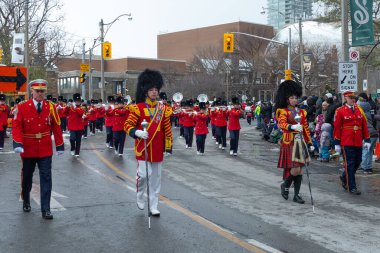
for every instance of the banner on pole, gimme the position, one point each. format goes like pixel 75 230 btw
pixel 18 48
pixel 362 23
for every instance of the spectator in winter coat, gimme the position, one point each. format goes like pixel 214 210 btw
pixel 325 142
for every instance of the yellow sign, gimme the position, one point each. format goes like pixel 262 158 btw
pixel 84 67
pixel 288 74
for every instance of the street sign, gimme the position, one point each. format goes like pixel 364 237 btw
pixel 84 67
pixel 348 76
pixel 12 79
pixel 354 54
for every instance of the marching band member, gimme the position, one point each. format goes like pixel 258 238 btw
pixel 286 101
pixel 188 122
pixel 120 116
pixel 100 113
pixel 3 120
pixel 201 129
pixel 221 125
pixel 175 106
pixel 180 121
pixel 60 107
pixel 92 116
pixel 213 118
pixel 158 116
pixel 109 121
pixel 32 124
pixel 74 112
pixel 85 120
pixel 164 100
pixel 234 126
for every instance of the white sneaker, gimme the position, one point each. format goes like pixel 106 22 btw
pixel 187 146
pixel 198 153
pixel 235 154
pixel 76 156
pixel 110 147
pixel 180 137
pixel 213 138
pixel 220 145
pixel 216 143
pixel 72 153
pixel 154 212
pixel 1 148
pixel 140 203
pixel 107 145
pixel 202 154
pixel 116 153
pixel 223 148
pixel 120 155
pixel 231 152
pixel 85 137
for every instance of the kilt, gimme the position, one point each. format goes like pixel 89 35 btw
pixel 285 158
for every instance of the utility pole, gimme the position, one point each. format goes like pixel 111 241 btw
pixel 83 61
pixel 345 44
pixel 90 87
pixel 301 58
pixel 101 25
pixel 290 49
pixel 26 56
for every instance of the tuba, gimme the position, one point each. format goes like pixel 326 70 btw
pixel 202 98
pixel 177 97
pixel 129 99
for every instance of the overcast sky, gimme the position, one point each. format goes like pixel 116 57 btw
pixel 138 37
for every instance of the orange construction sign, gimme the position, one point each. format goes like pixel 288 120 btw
pixel 12 79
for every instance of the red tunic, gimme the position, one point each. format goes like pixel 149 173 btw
pixel 3 115
pixel 100 112
pixel 220 117
pixel 31 130
pixel 75 120
pixel 119 118
pixel 350 128
pixel 60 108
pixel 188 119
pixel 92 113
pixel 155 142
pixel 109 117
pixel 201 123
pixel 233 122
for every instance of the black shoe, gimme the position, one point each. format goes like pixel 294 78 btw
pixel 343 181
pixel 355 191
pixel 298 199
pixel 284 191
pixel 47 215
pixel 26 207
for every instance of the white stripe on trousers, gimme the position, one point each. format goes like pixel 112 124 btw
pixel 154 170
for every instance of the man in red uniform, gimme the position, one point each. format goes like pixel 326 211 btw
pixel 60 107
pixel 74 112
pixel 201 129
pixel 188 122
pixel 234 126
pixel 100 113
pixel 92 116
pixel 109 121
pixel 350 129
pixel 3 119
pixel 158 133
pixel 120 115
pixel 32 124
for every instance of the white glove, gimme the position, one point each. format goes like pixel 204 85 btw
pixel 195 113
pixel 60 152
pixel 19 150
pixel 367 145
pixel 141 134
pixel 338 149
pixel 106 107
pixel 311 148
pixel 297 128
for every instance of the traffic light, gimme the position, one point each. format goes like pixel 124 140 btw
pixel 228 43
pixel 288 74
pixel 107 50
pixel 82 77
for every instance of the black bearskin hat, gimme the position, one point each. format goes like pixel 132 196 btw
pixel 183 103
pixel 93 101
pixel 189 102
pixel 148 79
pixel 76 97
pixel 235 101
pixel 70 100
pixel 287 89
pixel 18 100
pixel 49 97
pixel 163 96
pixel 60 98
pixel 119 100
pixel 111 99
pixel 100 100
pixel 2 97
pixel 64 100
pixel 202 105
pixel 54 100
pixel 217 103
pixel 224 103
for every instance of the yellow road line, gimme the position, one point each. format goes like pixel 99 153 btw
pixel 199 219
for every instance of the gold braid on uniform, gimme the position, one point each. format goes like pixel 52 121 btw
pixel 167 128
pixel 54 113
pixel 132 119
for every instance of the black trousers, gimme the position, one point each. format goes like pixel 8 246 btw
pixel 119 140
pixel 221 135
pixel 92 126
pixel 234 140
pixel 201 140
pixel 63 124
pixel 109 136
pixel 189 132
pixel 181 131
pixel 44 166
pixel 99 124
pixel 353 158
pixel 85 130
pixel 75 140
pixel 213 130
pixel 249 120
pixel 3 132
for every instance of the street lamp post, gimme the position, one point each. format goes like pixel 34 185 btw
pixel 102 35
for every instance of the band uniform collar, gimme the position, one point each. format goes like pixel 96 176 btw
pixel 150 102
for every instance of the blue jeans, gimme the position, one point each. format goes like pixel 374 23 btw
pixel 325 154
pixel 367 155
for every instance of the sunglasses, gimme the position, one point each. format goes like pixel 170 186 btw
pixel 40 91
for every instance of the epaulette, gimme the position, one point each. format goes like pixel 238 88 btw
pixel 134 109
pixel 168 111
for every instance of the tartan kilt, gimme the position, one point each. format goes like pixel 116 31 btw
pixel 285 158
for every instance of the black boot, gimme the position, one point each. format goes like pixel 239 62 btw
pixel 285 187
pixel 297 187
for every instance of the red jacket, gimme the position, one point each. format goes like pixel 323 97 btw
pixel 31 130
pixel 220 117
pixel 201 123
pixel 119 118
pixel 100 112
pixel 233 122
pixel 3 115
pixel 109 117
pixel 350 128
pixel 75 120
pixel 60 108
pixel 188 119
pixel 92 113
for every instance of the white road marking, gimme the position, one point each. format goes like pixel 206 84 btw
pixel 263 246
pixel 54 204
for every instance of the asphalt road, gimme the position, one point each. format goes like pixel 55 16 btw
pixel 211 203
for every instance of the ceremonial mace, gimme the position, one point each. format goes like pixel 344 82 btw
pixel 144 125
pixel 297 118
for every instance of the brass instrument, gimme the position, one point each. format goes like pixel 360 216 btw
pixel 202 98
pixel 177 97
pixel 128 98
